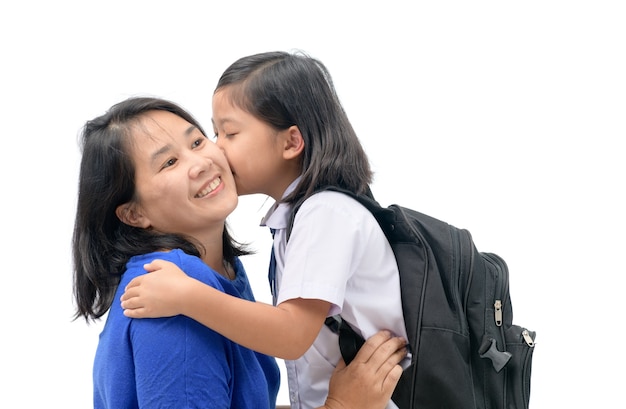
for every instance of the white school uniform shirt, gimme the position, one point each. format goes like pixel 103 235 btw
pixel 337 253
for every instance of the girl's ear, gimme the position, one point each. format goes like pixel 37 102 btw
pixel 294 143
pixel 129 214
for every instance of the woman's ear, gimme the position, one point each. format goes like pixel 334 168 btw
pixel 294 143
pixel 129 214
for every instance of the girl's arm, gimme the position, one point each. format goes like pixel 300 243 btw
pixel 285 331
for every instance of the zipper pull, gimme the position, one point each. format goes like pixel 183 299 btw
pixel 498 312
pixel 528 338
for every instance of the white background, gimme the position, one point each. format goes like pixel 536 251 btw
pixel 506 118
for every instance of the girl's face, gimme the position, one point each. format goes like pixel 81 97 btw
pixel 255 150
pixel 183 182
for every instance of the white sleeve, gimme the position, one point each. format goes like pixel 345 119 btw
pixel 327 242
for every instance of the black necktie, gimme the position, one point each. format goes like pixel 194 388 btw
pixel 272 271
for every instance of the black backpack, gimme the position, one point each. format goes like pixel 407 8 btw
pixel 466 352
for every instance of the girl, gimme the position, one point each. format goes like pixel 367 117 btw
pixel 153 186
pixel 280 123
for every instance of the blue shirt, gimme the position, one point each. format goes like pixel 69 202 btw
pixel 176 362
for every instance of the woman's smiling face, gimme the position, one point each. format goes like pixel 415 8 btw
pixel 183 182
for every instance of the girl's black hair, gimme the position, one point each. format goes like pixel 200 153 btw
pixel 284 89
pixel 102 244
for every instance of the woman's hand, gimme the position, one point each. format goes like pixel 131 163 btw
pixel 370 379
pixel 158 294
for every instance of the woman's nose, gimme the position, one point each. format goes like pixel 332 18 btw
pixel 199 165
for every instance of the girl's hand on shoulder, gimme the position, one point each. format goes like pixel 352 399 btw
pixel 157 294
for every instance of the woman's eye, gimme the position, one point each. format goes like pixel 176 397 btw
pixel 198 142
pixel 169 163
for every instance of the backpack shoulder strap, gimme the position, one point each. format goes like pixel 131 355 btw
pixel 366 200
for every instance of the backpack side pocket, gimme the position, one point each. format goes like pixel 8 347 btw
pixel 520 342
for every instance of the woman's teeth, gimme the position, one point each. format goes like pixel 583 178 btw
pixel 214 184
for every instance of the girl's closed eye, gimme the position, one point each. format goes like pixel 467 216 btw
pixel 226 136
pixel 217 135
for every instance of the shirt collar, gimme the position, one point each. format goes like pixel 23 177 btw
pixel 277 217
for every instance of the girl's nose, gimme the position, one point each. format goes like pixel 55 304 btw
pixel 218 142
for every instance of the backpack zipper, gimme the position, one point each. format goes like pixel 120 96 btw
pixel 502 282
pixel 462 263
pixel 527 338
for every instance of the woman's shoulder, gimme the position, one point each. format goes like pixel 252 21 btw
pixel 241 284
pixel 192 265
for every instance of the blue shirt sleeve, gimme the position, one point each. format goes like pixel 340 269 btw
pixel 180 363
